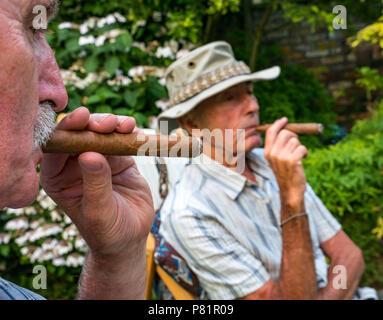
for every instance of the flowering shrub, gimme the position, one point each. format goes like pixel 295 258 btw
pixel 42 234
pixel 106 71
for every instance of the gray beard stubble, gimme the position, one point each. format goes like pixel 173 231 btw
pixel 46 123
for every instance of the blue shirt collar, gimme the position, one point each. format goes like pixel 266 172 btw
pixel 231 182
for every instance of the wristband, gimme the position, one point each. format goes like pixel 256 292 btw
pixel 292 218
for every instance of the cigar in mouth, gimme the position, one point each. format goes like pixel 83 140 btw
pixel 139 144
pixel 298 128
pixel 128 144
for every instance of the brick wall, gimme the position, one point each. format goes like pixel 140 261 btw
pixel 329 57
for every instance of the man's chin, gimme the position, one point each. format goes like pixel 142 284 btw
pixel 252 142
pixel 25 193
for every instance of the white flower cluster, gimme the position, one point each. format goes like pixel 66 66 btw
pixel 94 22
pixel 168 50
pixel 70 78
pixel 45 201
pixel 99 41
pixel 5 238
pixel 164 52
pixel 45 234
pixel 139 73
pixel 136 74
pixel 16 224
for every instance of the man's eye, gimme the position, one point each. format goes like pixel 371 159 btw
pixel 229 98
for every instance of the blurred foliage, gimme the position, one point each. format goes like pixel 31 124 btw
pixel 372 33
pixel 297 95
pixel 95 64
pixel 177 18
pixel 370 80
pixel 348 177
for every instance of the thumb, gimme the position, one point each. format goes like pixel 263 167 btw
pixel 97 183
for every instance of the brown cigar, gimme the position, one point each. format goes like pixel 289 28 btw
pixel 135 144
pixel 298 128
pixel 140 144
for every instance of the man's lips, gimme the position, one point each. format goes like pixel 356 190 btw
pixel 251 129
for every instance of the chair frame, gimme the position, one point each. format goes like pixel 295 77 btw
pixel 178 292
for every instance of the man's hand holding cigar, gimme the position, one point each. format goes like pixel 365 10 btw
pixel 110 203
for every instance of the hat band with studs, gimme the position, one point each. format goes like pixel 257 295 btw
pixel 208 80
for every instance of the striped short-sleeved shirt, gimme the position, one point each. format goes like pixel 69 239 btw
pixel 10 291
pixel 227 227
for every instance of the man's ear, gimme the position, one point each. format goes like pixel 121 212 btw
pixel 187 123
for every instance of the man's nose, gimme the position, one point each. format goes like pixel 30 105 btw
pixel 252 104
pixel 51 86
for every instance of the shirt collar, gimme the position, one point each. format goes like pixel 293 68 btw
pixel 231 182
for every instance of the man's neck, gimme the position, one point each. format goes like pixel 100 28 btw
pixel 231 163
pixel 248 173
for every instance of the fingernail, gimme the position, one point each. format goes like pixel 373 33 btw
pixel 92 166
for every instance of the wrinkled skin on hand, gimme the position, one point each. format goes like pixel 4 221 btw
pixel 105 196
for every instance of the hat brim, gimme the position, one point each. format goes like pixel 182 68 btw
pixel 183 108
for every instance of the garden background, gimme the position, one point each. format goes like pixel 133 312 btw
pixel 113 55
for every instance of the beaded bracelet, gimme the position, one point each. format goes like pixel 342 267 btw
pixel 293 217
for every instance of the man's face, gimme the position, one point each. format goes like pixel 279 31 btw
pixel 235 108
pixel 29 76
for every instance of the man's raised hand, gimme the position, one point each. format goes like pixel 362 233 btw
pixel 105 196
pixel 284 153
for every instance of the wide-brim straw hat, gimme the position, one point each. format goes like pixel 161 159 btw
pixel 201 74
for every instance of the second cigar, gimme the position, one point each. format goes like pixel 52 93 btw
pixel 133 144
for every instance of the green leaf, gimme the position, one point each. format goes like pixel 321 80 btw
pixel 93 99
pixel 130 98
pixel 4 250
pixel 112 64
pixel 91 64
pixel 106 93
pixel 140 119
pixel 72 45
pixel 123 111
pixel 157 90
pixel 74 101
pixel 103 109
pixel 126 40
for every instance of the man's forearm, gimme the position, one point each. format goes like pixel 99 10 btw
pixel 119 280
pixel 297 275
pixel 353 263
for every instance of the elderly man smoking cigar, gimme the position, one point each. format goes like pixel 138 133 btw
pixel 105 197
pixel 257 233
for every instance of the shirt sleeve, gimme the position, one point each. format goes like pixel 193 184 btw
pixel 325 223
pixel 225 269
pixel 11 291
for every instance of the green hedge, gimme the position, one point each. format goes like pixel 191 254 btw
pixel 348 177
